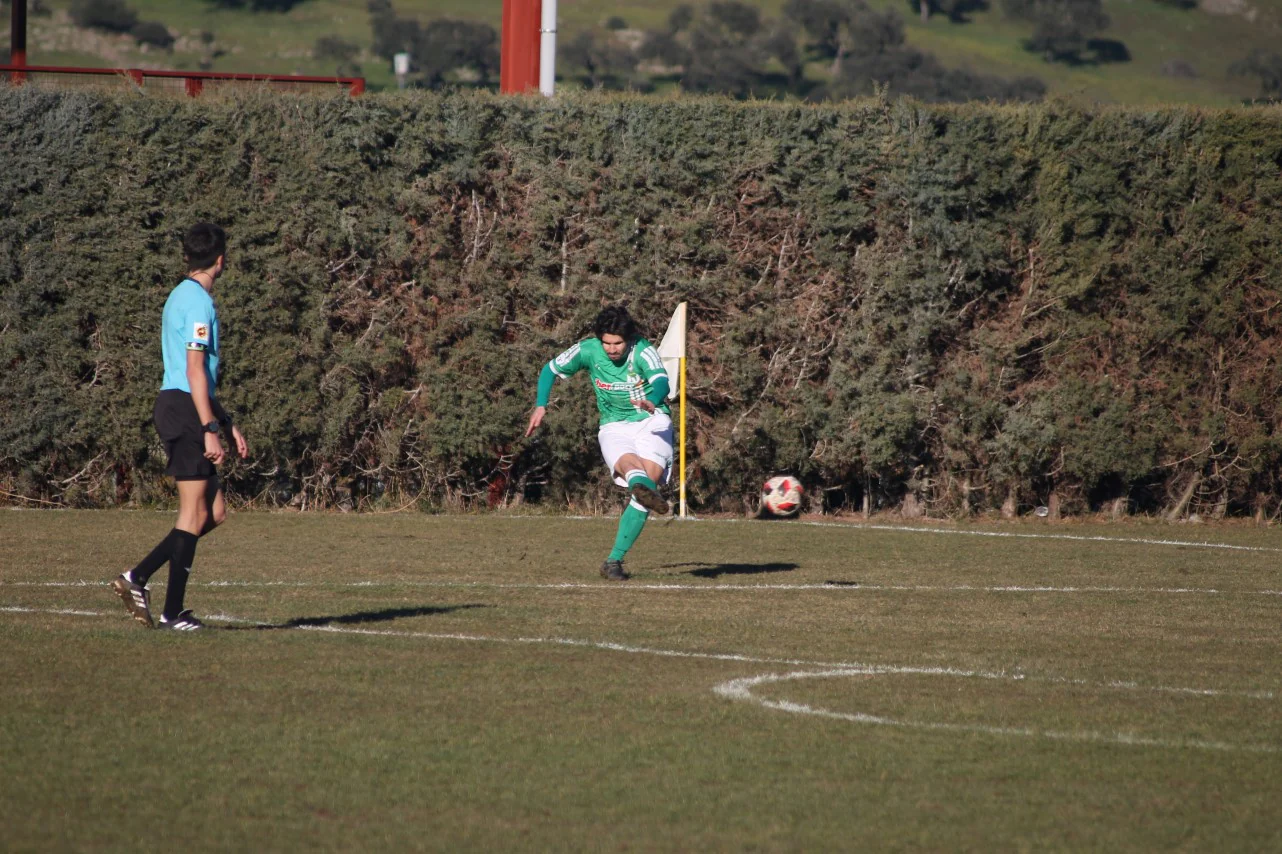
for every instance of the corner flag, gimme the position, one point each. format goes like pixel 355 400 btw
pixel 672 349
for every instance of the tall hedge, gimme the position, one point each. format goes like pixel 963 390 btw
pixel 933 309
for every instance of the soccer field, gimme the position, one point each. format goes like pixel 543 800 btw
pixel 420 682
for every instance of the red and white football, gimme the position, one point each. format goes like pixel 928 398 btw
pixel 781 496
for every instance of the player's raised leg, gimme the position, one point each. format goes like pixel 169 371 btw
pixel 642 478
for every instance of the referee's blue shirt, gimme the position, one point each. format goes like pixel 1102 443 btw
pixel 189 322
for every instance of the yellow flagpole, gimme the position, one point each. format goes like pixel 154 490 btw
pixel 682 466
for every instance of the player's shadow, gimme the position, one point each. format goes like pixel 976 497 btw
pixel 359 618
pixel 716 570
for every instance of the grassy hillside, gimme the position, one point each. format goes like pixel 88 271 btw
pixel 282 43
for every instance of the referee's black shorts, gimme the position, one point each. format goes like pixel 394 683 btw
pixel 179 427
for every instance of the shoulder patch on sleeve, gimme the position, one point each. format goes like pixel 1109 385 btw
pixel 200 332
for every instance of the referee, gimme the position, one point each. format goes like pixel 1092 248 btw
pixel 189 420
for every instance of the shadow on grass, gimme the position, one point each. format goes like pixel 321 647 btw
pixel 716 570
pixel 358 618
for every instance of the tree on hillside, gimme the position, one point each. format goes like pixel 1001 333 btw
pixel 115 16
pixel 392 34
pixel 725 47
pixel 257 5
pixel 840 27
pixel 955 10
pixel 600 61
pixel 442 47
pixel 1265 65
pixel 821 20
pixel 339 51
pixel 867 48
pixel 680 18
pixel 35 8
pixel 1062 29
pixel 735 17
pixel 153 33
pixel 872 52
pixel 448 45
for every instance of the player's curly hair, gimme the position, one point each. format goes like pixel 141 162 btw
pixel 615 320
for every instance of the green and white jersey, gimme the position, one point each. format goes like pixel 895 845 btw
pixel 619 387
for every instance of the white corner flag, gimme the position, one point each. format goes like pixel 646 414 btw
pixel 672 349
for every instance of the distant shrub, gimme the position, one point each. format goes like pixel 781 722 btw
pixel 257 5
pixel 35 9
pixel 1266 65
pixel 334 48
pixel 114 16
pixel 956 10
pixel 152 33
pixel 1180 69
pixel 614 22
pixel 1108 50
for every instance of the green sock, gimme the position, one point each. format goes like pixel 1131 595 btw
pixel 637 476
pixel 630 525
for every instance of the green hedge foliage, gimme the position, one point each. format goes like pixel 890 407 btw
pixel 932 309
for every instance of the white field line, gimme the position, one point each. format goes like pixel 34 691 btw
pixel 741 689
pixel 1012 675
pixel 913 529
pixel 65 611
pixel 854 526
pixel 695 588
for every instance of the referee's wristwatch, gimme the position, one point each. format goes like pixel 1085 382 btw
pixel 211 427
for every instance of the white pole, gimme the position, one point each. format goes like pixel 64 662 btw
pixel 672 349
pixel 547 49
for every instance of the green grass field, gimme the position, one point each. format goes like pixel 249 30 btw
pixel 282 43
pixel 468 682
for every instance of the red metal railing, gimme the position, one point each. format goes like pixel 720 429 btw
pixel 192 82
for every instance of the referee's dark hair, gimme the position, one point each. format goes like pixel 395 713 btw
pixel 615 320
pixel 202 244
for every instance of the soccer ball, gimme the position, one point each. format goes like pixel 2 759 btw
pixel 781 496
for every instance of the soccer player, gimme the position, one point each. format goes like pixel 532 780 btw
pixel 188 419
pixel 636 425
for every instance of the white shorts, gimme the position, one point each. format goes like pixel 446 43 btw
pixel 650 439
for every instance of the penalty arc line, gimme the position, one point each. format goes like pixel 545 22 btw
pixel 740 689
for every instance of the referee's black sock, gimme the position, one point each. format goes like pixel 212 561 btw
pixel 179 568
pixel 163 552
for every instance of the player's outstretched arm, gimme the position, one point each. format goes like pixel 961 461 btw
pixel 546 378
pixel 536 418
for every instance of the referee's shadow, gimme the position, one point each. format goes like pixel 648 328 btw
pixel 716 570
pixel 358 618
